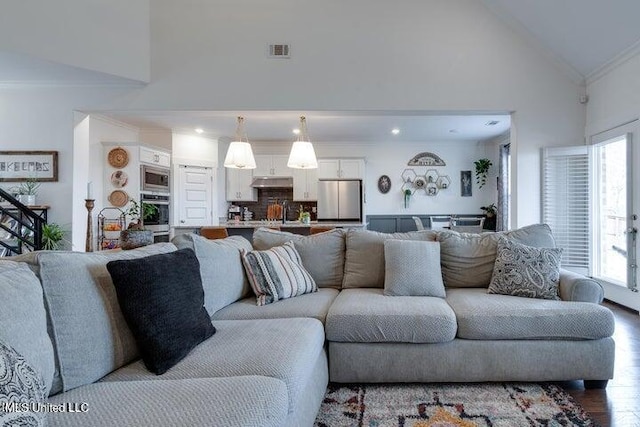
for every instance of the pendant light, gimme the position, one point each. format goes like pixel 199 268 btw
pixel 302 155
pixel 239 154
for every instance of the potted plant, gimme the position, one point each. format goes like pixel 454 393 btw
pixel 52 237
pixel 482 168
pixel 407 196
pixel 490 212
pixel 27 191
pixel 135 235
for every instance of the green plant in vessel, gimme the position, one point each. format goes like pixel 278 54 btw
pixel 482 168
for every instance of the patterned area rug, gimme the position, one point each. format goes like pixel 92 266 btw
pixel 450 405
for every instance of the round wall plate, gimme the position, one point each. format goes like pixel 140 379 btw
pixel 384 184
pixel 118 198
pixel 119 179
pixel 118 157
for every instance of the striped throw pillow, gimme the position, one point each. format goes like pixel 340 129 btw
pixel 277 273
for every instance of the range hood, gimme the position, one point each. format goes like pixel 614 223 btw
pixel 271 182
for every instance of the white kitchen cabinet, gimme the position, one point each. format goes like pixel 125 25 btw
pixel 238 186
pixel 271 165
pixel 155 157
pixel 340 168
pixel 305 184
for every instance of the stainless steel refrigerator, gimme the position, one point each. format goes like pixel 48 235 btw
pixel 340 200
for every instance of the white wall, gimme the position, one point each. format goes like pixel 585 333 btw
pixel 161 138
pixel 194 150
pixel 42 118
pixel 614 98
pixel 111 37
pixel 92 167
pixel 427 55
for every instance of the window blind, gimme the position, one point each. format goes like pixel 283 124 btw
pixel 566 203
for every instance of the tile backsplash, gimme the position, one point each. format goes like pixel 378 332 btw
pixel 267 196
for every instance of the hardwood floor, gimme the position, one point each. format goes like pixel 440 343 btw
pixel 619 404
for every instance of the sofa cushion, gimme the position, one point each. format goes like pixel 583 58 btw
pixel 24 320
pixel 367 315
pixel 20 384
pixel 364 256
pixel 287 349
pixel 483 316
pixel 322 254
pixel 89 333
pixel 235 401
pixel 223 277
pixel 525 271
pixel 277 273
pixel 467 258
pixel 412 268
pixel 315 305
pixel 162 300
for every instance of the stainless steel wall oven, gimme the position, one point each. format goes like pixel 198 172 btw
pixel 158 222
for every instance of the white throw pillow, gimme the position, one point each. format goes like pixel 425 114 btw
pixel 412 268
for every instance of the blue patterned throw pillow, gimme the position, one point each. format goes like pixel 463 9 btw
pixel 525 271
pixel 277 273
pixel 22 391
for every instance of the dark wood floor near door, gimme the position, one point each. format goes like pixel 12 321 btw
pixel 619 404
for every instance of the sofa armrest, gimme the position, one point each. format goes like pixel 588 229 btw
pixel 577 287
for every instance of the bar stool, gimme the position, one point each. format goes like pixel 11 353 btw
pixel 439 222
pixel 419 224
pixel 214 232
pixel 467 225
pixel 315 229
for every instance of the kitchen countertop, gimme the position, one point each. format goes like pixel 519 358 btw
pixel 290 224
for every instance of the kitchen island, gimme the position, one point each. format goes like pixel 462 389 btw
pixel 245 228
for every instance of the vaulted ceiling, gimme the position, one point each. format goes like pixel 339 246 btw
pixel 585 34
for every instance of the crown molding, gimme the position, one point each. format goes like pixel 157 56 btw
pixel 52 84
pixel 627 54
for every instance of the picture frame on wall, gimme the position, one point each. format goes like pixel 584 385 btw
pixel 16 166
pixel 465 184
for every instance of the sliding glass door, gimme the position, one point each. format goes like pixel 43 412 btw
pixel 615 185
pixel 614 232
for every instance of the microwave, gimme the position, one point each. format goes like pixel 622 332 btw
pixel 153 178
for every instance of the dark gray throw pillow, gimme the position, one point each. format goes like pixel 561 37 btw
pixel 525 271
pixel 162 300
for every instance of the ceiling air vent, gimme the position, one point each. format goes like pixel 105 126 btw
pixel 279 51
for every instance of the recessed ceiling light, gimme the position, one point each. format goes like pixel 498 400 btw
pixel 296 131
pixel 492 123
pixel 395 131
pixel 199 130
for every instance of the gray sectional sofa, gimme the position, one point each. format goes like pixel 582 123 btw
pixel 270 365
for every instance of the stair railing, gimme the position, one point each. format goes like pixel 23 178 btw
pixel 25 235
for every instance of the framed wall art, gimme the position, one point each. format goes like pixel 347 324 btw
pixel 465 184
pixel 19 166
